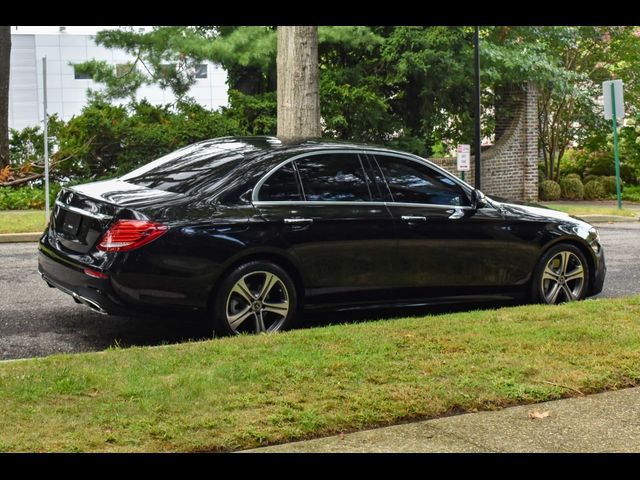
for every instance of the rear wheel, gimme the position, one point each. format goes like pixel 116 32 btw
pixel 562 275
pixel 256 297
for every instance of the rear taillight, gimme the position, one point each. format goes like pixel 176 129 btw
pixel 125 235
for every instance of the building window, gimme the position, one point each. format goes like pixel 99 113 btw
pixel 80 75
pixel 201 70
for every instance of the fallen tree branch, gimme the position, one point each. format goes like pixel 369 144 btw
pixel 20 181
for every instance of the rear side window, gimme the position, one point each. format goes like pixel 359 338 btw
pixel 281 186
pixel 413 182
pixel 335 177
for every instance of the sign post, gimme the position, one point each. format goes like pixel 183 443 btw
pixel 463 159
pixel 614 109
pixel 46 140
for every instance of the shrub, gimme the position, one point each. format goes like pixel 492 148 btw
pixel 549 190
pixel 572 188
pixel 574 175
pixel 26 197
pixel 573 161
pixel 588 178
pixel 594 190
pixel 631 193
pixel 602 164
pixel 609 184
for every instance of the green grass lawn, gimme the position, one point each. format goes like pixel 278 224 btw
pixel 21 221
pixel 588 209
pixel 242 392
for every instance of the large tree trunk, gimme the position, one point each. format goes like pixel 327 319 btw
pixel 5 58
pixel 298 89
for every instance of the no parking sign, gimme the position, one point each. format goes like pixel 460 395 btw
pixel 464 158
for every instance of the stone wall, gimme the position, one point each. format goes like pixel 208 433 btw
pixel 510 166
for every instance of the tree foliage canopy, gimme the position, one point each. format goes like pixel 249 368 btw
pixel 407 86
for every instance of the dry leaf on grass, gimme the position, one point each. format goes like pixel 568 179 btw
pixel 538 415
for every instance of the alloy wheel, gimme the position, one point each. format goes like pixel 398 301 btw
pixel 258 302
pixel 563 278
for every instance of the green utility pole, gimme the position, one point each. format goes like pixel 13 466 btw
pixel 615 146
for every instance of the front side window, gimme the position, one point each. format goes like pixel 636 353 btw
pixel 281 186
pixel 413 182
pixel 333 177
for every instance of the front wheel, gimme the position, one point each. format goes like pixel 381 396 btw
pixel 562 275
pixel 255 297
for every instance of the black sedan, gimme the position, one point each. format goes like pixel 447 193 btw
pixel 250 232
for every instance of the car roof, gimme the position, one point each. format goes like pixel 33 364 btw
pixel 258 146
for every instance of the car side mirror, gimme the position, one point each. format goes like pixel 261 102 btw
pixel 478 199
pixel 475 199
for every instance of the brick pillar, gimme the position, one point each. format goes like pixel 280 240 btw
pixel 508 99
pixel 510 166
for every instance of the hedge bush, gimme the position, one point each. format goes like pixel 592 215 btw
pixel 572 188
pixel 574 175
pixel 549 190
pixel 594 190
pixel 27 197
pixel 588 178
pixel 609 184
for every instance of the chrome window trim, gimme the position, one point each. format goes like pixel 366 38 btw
pixel 97 216
pixel 313 202
pixel 373 152
pixel 428 205
pixel 386 204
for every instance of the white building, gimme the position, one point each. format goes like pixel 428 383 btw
pixel 67 91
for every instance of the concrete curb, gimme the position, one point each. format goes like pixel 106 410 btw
pixel 20 237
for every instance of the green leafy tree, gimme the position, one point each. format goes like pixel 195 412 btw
pixel 410 87
pixel 568 64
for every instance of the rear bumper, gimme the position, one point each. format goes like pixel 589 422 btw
pixel 95 293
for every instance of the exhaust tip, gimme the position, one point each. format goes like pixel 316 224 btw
pixel 90 303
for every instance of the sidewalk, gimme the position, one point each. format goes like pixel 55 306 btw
pixel 605 422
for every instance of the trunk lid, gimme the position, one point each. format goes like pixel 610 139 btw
pixel 83 213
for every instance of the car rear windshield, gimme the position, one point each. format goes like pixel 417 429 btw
pixel 188 168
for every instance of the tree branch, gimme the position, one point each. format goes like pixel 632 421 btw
pixel 20 181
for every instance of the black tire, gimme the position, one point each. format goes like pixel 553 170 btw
pixel 569 288
pixel 231 300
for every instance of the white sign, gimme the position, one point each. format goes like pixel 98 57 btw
pixel 464 158
pixel 606 90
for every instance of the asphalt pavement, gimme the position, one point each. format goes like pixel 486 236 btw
pixel 36 320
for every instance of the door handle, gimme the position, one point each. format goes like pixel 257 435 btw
pixel 298 221
pixel 413 218
pixel 457 213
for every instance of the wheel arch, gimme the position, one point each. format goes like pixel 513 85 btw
pixel 582 245
pixel 278 257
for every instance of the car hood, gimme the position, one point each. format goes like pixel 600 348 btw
pixel 538 212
